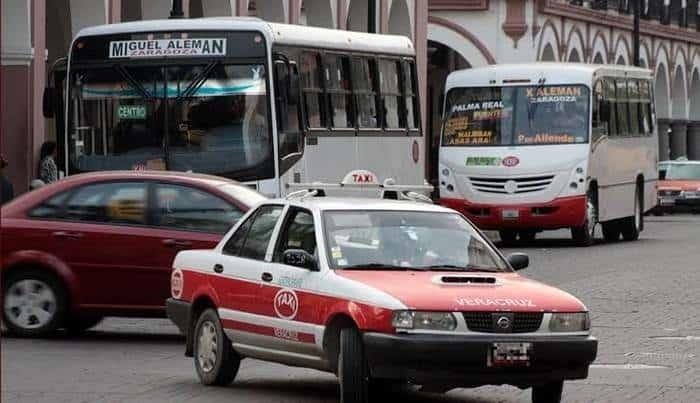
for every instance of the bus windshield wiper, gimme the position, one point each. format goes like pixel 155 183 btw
pixel 132 81
pixel 450 267
pixel 197 82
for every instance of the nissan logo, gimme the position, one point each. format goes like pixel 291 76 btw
pixel 503 322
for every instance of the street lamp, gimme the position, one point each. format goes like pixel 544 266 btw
pixel 637 10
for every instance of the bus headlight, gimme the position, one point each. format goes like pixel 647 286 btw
pixel 569 322
pixel 417 320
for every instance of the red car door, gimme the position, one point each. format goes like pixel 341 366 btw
pixel 106 241
pixel 184 217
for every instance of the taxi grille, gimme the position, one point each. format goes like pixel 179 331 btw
pixel 485 322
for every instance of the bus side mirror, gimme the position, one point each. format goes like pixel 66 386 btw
pixel 47 102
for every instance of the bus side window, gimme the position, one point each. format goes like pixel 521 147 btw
pixel 289 134
pixel 634 104
pixel 646 123
pixel 364 86
pixel 410 97
pixel 312 90
pixel 622 110
pixel 391 94
pixel 601 112
pixel 610 101
pixel 337 77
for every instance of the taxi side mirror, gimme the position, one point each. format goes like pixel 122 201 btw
pixel 518 261
pixel 300 258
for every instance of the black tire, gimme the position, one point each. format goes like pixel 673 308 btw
pixel 508 237
pixel 222 371
pixel 527 236
pixel 22 319
pixel 353 373
pixel 611 231
pixel 585 234
pixel 548 393
pixel 631 227
pixel 80 323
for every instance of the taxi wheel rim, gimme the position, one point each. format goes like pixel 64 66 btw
pixel 30 304
pixel 207 347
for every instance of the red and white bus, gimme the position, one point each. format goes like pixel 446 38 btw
pixel 544 146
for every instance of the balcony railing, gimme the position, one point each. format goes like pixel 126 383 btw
pixel 682 13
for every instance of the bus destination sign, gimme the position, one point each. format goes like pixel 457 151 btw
pixel 189 47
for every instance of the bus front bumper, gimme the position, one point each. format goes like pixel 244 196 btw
pixel 564 212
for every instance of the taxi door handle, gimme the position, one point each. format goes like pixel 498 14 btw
pixel 218 268
pixel 266 277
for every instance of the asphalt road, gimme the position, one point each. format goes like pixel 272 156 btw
pixel 644 297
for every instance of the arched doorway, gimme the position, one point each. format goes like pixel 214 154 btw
pixel 357 15
pixel 694 122
pixel 574 56
pixel 442 60
pixel 662 99
pixel 598 59
pixel 679 129
pixel 548 54
pixel 399 19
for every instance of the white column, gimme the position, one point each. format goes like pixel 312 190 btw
pixel 155 9
pixel 218 8
pixel 16 38
pixel 86 13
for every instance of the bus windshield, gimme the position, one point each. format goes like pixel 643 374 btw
pixel 209 118
pixel 517 115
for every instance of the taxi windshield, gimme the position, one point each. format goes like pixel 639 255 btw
pixel 688 172
pixel 410 240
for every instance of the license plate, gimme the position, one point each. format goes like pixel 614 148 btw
pixel 509 355
pixel 692 196
pixel 667 202
pixel 510 214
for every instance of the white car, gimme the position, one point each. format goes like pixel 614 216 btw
pixel 375 291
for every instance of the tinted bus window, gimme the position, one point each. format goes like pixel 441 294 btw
pixel 312 89
pixel 391 94
pixel 364 79
pixel 339 90
pixel 621 107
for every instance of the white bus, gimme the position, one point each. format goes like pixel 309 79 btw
pixel 266 104
pixel 543 146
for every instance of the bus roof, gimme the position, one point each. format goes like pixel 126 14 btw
pixel 531 73
pixel 288 34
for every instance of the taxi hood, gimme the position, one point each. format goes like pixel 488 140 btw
pixel 679 185
pixel 460 291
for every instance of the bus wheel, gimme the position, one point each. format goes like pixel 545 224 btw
pixel 585 234
pixel 508 238
pixel 632 226
pixel 611 231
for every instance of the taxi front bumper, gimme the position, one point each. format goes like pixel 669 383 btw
pixel 461 360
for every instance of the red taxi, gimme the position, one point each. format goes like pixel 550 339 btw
pixel 375 291
pixel 679 186
pixel 102 244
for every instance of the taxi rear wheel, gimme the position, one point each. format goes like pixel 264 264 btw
pixel 548 393
pixel 353 373
pixel 214 358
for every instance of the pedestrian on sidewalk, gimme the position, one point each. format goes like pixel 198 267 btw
pixel 7 192
pixel 48 170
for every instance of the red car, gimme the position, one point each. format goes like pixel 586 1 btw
pixel 102 244
pixel 679 186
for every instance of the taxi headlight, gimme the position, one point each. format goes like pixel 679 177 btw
pixel 416 320
pixel 569 322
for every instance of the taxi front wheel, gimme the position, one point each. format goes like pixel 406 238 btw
pixel 548 393
pixel 214 358
pixel 353 373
